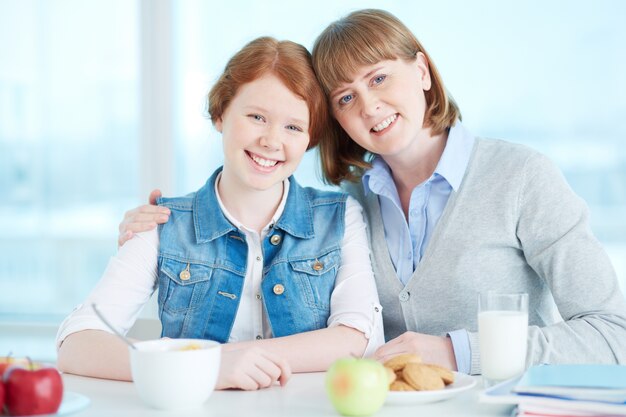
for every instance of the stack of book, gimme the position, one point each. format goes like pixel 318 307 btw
pixel 564 390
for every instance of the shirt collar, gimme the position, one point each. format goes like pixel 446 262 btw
pixel 456 155
pixel 237 223
pixel 451 166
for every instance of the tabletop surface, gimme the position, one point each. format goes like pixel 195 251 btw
pixel 303 396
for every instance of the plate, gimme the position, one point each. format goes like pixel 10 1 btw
pixel 72 402
pixel 462 382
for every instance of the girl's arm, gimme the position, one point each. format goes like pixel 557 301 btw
pixel 355 322
pixel 95 353
pixel 86 347
pixel 100 354
pixel 312 351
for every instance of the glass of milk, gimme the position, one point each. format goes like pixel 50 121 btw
pixel 502 333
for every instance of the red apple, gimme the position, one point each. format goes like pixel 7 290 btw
pixel 5 362
pixel 1 394
pixel 31 391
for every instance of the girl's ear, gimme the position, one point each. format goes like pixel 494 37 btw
pixel 424 71
pixel 218 125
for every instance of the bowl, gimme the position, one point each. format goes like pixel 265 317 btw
pixel 175 374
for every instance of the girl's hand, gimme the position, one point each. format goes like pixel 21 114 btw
pixel 142 218
pixel 251 369
pixel 432 349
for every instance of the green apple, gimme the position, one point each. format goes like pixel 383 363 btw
pixel 357 387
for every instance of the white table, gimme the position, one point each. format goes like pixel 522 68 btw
pixel 303 396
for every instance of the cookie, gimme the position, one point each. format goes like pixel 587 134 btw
pixel 400 385
pixel 444 373
pixel 421 377
pixel 398 362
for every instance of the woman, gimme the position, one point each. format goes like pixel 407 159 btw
pixel 280 271
pixel 451 215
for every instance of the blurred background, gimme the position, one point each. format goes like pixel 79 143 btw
pixel 103 100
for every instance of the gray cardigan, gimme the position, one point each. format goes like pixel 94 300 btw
pixel 514 225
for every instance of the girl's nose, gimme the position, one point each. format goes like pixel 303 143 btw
pixel 270 139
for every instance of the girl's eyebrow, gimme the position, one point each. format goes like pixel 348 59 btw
pixel 369 74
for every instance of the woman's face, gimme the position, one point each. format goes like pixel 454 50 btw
pixel 382 108
pixel 265 131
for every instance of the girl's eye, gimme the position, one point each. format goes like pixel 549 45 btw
pixel 378 79
pixel 294 128
pixel 346 99
pixel 257 117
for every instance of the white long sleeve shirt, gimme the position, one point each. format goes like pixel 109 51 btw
pixel 130 279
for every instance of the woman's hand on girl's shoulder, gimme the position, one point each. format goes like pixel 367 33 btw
pixel 142 218
pixel 251 368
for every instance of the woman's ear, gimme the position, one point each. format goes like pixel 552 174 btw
pixel 424 71
pixel 218 124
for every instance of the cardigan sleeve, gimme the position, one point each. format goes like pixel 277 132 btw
pixel 555 236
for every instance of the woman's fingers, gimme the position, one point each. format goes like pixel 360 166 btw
pixel 408 342
pixel 141 219
pixel 156 193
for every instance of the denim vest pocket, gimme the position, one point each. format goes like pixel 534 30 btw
pixel 182 284
pixel 316 277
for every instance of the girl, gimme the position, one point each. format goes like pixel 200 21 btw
pixel 280 271
pixel 451 215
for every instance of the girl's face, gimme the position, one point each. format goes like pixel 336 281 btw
pixel 382 108
pixel 265 131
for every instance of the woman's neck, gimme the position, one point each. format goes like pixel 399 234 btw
pixel 253 208
pixel 415 165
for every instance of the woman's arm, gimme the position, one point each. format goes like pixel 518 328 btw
pixel 554 231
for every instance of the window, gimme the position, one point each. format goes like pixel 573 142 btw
pixel 68 148
pixel 101 101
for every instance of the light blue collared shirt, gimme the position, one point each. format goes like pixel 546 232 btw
pixel 407 239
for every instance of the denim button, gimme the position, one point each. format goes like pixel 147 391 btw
pixel 185 274
pixel 275 239
pixel 278 289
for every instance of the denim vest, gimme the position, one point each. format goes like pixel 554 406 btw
pixel 203 258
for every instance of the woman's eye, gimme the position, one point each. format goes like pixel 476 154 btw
pixel 346 99
pixel 379 79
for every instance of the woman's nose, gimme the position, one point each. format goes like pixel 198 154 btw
pixel 370 104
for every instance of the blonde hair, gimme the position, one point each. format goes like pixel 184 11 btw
pixel 366 37
pixel 288 61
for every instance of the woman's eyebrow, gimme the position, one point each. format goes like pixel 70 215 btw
pixel 347 87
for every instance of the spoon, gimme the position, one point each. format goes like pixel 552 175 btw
pixel 110 326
